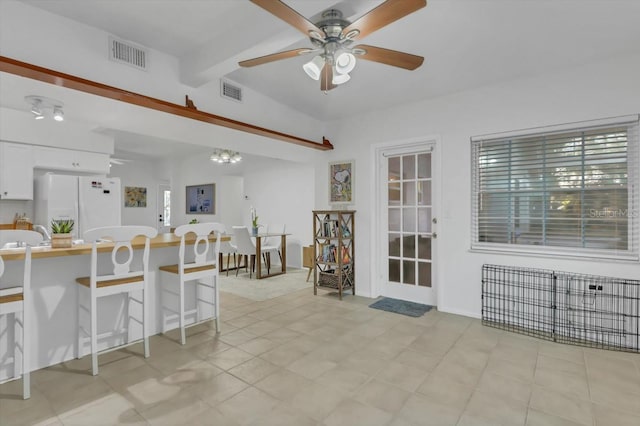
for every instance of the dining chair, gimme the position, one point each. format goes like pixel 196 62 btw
pixel 247 248
pixel 275 242
pixel 16 299
pixel 199 265
pixel 119 275
pixel 226 247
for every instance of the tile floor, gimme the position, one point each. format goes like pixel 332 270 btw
pixel 302 360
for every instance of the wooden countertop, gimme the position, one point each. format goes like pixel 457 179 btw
pixel 162 240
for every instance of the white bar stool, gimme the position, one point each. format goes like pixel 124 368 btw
pixel 119 279
pixel 17 299
pixel 203 268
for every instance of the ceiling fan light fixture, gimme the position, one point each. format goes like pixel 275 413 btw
pixel 340 78
pixel 352 34
pixel 358 51
pixel 345 63
pixel 313 68
pixel 316 35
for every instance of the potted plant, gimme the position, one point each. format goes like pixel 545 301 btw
pixel 61 233
pixel 254 222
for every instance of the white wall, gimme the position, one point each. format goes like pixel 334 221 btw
pixel 283 193
pixel 139 173
pixel 200 170
pixel 592 91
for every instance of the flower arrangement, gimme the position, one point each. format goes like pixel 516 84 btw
pixel 254 218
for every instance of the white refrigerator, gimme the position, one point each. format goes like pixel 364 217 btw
pixel 91 201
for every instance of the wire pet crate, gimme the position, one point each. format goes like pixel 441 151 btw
pixel 587 310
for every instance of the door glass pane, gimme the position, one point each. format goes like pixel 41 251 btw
pixel 424 274
pixel 424 193
pixel 394 193
pixel 424 166
pixel 424 219
pixel 409 272
pixel 394 245
pixel 424 247
pixel 394 220
pixel 409 193
pixel 167 207
pixel 409 219
pixel 409 246
pixel 409 167
pixel 394 270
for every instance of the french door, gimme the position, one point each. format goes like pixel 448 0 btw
pixel 407 222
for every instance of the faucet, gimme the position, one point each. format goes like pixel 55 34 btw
pixel 41 229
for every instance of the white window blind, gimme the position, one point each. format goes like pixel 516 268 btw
pixel 571 190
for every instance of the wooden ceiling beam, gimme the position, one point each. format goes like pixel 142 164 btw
pixel 47 75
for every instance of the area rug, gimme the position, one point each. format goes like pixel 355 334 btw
pixel 403 307
pixel 266 288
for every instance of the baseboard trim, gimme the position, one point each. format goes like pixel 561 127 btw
pixel 459 312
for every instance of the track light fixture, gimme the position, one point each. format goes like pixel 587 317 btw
pixel 58 114
pixel 39 104
pixel 225 156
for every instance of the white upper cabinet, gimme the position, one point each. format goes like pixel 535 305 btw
pixel 16 171
pixel 70 160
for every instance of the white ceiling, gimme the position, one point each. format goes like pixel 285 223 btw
pixel 466 43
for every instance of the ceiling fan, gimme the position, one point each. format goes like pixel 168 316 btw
pixel 333 36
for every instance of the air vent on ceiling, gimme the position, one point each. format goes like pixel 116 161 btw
pixel 229 91
pixel 128 53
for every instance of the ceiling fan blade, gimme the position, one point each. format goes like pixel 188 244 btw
pixel 390 57
pixel 326 78
pixel 388 12
pixel 274 57
pixel 290 16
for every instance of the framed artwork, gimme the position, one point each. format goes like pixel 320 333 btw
pixel 201 199
pixel 135 196
pixel 341 182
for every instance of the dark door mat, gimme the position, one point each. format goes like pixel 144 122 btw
pixel 403 307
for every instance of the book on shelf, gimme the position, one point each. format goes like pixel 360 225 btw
pixel 330 228
pixel 328 253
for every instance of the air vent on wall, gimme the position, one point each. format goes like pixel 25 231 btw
pixel 229 91
pixel 128 53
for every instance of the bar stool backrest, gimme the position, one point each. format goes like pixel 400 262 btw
pixel 122 237
pixel 202 247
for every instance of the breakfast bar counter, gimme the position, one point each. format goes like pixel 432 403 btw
pixel 54 296
pixel 161 241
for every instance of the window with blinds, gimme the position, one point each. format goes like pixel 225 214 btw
pixel 559 190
